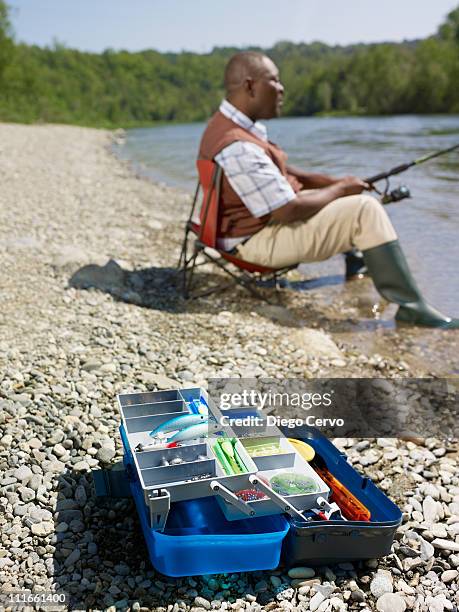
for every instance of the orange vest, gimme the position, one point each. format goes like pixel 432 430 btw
pixel 235 219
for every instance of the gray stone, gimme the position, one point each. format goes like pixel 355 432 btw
pixel 110 277
pixel 283 593
pixel 275 581
pixel 22 473
pixel 8 480
pixel 26 494
pixel 426 550
pixel 35 481
pixel 391 602
pixel 202 603
pixel 77 526
pixel 381 583
pixel 315 602
pixel 20 510
pixel 261 586
pixel 358 596
pixel 446 545
pixel 411 563
pixel 90 365
pixel 436 604
pixel 429 510
pixel 62 527
pixel 80 495
pixel 301 572
pixel 56 436
pixel 186 375
pixel 42 529
pixel 59 450
pixel 105 454
pixel 325 589
pixel 40 514
pixel 335 603
pixel 160 381
pixel 68 516
pixel 449 575
pixel 315 343
pixel 72 558
pixel 35 443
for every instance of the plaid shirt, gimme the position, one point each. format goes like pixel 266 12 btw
pixel 251 173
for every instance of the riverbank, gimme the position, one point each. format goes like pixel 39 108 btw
pixel 67 203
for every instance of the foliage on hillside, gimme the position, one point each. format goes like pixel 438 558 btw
pixel 120 88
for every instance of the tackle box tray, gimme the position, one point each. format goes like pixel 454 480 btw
pixel 194 535
pixel 194 470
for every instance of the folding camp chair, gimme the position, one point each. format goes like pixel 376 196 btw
pixel 204 242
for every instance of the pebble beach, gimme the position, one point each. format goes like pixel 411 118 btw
pixel 90 307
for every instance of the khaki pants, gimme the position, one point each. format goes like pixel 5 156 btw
pixel 353 221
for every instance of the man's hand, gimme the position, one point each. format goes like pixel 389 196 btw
pixel 351 185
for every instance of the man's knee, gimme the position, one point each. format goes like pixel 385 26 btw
pixel 374 226
pixel 366 202
pixel 370 201
pixel 359 207
pixel 371 207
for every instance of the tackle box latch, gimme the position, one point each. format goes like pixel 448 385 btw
pixel 160 504
pixel 320 538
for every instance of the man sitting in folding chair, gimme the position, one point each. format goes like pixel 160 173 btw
pixel 274 215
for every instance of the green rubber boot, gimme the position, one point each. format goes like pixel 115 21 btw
pixel 391 275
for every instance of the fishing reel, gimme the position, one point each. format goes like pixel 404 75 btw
pixel 388 196
pixel 395 195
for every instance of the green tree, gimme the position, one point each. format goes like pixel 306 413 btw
pixel 6 38
pixel 113 88
pixel 450 29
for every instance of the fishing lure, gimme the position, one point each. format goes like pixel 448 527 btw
pixel 305 450
pixel 178 423
pixel 291 483
pixel 199 406
pixel 200 430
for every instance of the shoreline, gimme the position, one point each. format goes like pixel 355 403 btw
pixel 76 331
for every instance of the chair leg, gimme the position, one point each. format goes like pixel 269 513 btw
pixel 187 264
pixel 241 280
pixel 184 251
pixel 188 273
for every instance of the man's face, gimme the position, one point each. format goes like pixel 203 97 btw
pixel 268 90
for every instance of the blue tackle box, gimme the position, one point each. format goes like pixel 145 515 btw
pixel 193 521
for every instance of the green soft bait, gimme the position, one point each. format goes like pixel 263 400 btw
pixel 291 483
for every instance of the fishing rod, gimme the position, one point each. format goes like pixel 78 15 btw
pixel 402 192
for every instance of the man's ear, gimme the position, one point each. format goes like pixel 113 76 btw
pixel 249 86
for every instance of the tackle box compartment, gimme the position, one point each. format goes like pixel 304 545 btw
pixel 268 466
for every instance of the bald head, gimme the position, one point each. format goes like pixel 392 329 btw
pixel 247 64
pixel 253 85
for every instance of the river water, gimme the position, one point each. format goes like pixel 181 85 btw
pixel 427 224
